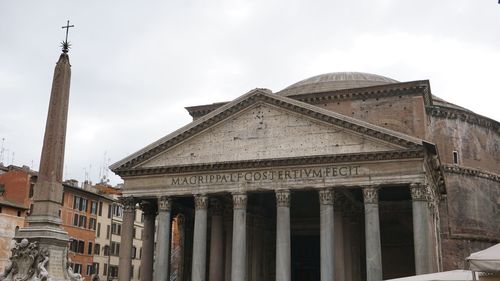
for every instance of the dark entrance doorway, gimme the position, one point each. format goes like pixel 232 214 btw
pixel 305 240
pixel 305 258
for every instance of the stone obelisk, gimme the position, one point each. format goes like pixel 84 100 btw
pixel 44 221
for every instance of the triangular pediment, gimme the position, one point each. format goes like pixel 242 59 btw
pixel 261 125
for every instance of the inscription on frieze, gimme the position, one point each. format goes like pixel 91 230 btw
pixel 269 175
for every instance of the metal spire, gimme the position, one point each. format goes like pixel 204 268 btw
pixel 65 44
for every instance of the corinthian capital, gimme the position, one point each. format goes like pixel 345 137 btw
pixel 200 201
pixel 239 201
pixel 326 197
pixel 283 198
pixel 164 204
pixel 419 192
pixel 370 195
pixel 128 203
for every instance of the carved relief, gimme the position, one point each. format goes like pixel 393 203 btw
pixel 326 197
pixel 283 198
pixel 27 263
pixel 200 201
pixel 164 204
pixel 370 195
pixel 239 201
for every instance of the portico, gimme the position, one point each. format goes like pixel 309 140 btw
pixel 275 189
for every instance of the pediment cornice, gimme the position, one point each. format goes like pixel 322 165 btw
pixel 281 162
pixel 265 96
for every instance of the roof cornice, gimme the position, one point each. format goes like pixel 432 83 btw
pixel 465 116
pixel 364 93
pixel 466 171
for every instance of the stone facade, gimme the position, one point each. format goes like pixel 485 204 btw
pixel 336 181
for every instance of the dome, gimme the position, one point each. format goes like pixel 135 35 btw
pixel 335 81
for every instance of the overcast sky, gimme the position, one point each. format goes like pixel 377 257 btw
pixel 137 64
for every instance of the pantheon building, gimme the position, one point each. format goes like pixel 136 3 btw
pixel 342 176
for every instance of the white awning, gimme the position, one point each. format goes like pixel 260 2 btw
pixel 454 275
pixel 487 260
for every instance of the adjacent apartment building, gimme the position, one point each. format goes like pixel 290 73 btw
pixel 16 191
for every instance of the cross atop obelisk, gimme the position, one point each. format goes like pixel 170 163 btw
pixel 65 44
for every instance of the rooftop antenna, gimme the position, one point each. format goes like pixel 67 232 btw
pixel 2 149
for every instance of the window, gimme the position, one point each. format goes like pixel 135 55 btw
pixel 106 250
pixel 75 220
pixel 77 268
pixel 116 228
pixel 100 208
pixel 98 229
pixel 113 271
pixel 134 252
pixel 105 269
pixel 107 231
pixel 93 207
pixel 117 211
pixel 97 249
pixel 89 248
pixel 109 211
pixel 455 157
pixel 81 247
pixel 76 202
pixel 95 266
pixel 74 246
pixel 131 272
pixel 18 213
pixel 89 269
pixel 83 205
pixel 83 222
pixel 140 253
pixel 32 185
pixel 92 223
pixel 115 249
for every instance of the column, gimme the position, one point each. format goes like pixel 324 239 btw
pixel 198 268
pixel 338 212
pixel 228 214
pixel 283 253
pixel 148 240
pixel 125 262
pixel 216 267
pixel 162 263
pixel 239 254
pixel 421 219
pixel 326 234
pixel 372 235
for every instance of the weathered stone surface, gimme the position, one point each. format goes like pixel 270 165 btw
pixel 263 132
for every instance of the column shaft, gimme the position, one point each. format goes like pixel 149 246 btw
pixel 148 241
pixel 228 244
pixel 216 268
pixel 125 262
pixel 327 234
pixel 372 235
pixel 198 269
pixel 162 263
pixel 239 252
pixel 420 228
pixel 283 253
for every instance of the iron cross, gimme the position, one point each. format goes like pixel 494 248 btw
pixel 67 29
